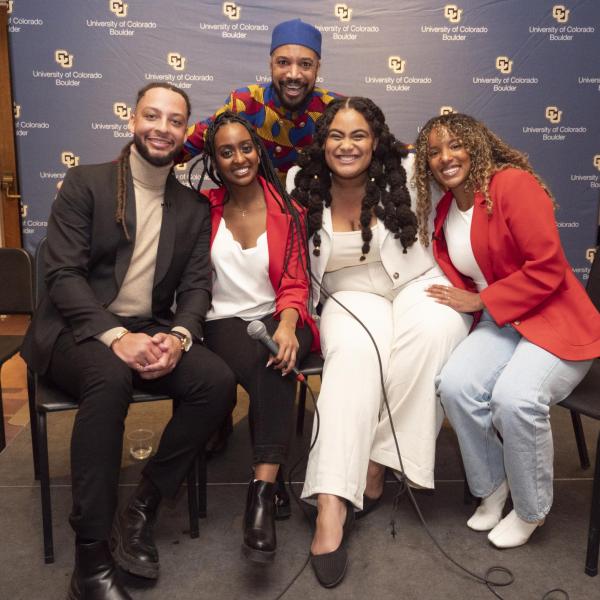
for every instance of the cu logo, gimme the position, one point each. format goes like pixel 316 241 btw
pixel 504 64
pixel 16 110
pixel 343 12
pixel 590 253
pixel 69 159
pixel 118 7
pixel 122 111
pixel 176 60
pixel 10 6
pixel 453 13
pixel 396 64
pixel 232 11
pixel 560 13
pixel 597 161
pixel 63 58
pixel 446 110
pixel 24 209
pixel 553 114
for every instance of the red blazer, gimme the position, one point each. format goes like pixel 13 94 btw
pixel 290 291
pixel 531 284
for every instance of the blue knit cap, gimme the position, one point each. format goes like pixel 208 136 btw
pixel 298 32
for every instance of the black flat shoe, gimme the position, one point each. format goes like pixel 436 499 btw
pixel 330 568
pixel 260 540
pixel 369 505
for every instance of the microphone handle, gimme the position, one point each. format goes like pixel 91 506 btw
pixel 273 348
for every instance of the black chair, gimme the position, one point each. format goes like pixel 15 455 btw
pixel 16 299
pixel 585 400
pixel 311 365
pixel 46 398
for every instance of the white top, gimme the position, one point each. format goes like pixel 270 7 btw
pixel 241 284
pixel 346 250
pixel 457 229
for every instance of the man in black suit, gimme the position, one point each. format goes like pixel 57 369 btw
pixel 126 241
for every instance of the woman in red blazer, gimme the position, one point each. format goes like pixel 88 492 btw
pixel 496 239
pixel 260 272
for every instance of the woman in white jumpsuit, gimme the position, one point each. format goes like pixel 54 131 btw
pixel 355 182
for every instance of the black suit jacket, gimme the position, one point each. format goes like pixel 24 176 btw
pixel 88 256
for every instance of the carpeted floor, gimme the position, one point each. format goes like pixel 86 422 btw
pixel 407 567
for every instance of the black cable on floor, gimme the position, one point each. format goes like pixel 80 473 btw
pixel 486 579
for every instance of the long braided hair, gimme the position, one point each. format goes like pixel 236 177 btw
pixel 386 192
pixel 123 160
pixel 488 154
pixel 297 240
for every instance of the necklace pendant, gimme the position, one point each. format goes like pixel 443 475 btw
pixel 244 212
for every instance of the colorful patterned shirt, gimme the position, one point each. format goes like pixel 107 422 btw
pixel 284 132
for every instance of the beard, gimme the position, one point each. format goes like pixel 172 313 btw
pixel 156 161
pixel 294 104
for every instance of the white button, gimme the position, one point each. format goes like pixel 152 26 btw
pixel 516 322
pixel 277 149
pixel 302 124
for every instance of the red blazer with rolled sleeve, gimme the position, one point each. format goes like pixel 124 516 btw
pixel 531 284
pixel 291 286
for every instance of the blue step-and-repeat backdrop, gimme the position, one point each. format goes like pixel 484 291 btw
pixel 529 69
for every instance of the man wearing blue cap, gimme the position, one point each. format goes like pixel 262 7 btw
pixel 283 112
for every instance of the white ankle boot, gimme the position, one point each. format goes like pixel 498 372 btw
pixel 489 512
pixel 512 531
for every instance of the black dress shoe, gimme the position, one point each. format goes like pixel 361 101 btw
pixel 369 505
pixel 95 576
pixel 330 568
pixel 260 541
pixel 132 540
pixel 281 499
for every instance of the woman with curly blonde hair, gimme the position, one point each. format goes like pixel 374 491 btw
pixel 496 239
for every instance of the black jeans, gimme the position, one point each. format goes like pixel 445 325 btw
pixel 271 395
pixel 201 383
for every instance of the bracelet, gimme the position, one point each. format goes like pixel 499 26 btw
pixel 119 335
pixel 183 340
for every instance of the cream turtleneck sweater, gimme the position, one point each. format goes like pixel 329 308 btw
pixel 135 296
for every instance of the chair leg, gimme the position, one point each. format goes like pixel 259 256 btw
pixel 33 424
pixel 193 501
pixel 301 410
pixel 591 559
pixel 202 483
pixel 44 474
pixel 584 458
pixel 2 433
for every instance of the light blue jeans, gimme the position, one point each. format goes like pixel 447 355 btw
pixel 497 382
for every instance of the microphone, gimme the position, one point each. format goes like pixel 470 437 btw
pixel 257 331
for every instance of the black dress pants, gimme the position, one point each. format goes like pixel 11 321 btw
pixel 271 395
pixel 201 383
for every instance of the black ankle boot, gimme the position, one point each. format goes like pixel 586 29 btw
pixel 132 539
pixel 259 523
pixel 95 576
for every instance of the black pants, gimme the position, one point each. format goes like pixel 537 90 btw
pixel 271 395
pixel 201 383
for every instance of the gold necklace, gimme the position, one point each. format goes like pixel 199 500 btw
pixel 244 211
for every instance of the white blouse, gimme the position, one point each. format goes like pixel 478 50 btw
pixel 241 284
pixel 457 229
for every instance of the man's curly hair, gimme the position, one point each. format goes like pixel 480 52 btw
pixel 386 192
pixel 487 151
